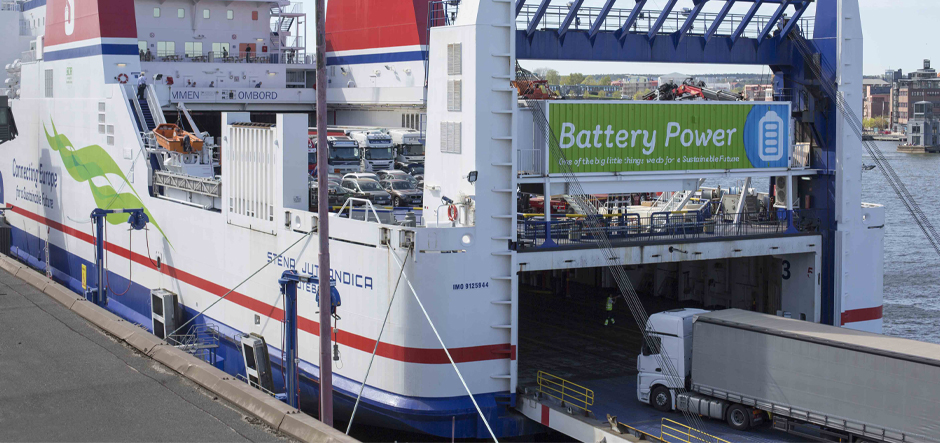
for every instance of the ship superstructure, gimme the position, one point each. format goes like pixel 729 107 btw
pixel 240 77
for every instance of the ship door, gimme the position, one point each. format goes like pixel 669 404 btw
pixel 243 49
pixel 257 364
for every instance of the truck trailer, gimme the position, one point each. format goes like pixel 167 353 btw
pixel 817 381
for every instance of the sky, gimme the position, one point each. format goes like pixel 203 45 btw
pixel 899 34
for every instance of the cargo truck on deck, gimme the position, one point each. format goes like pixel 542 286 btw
pixel 376 149
pixel 409 147
pixel 816 381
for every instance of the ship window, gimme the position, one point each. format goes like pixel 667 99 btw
pixel 230 14
pixel 156 12
pixel 142 46
pixel 48 83
pixel 220 49
pixel 193 49
pixel 166 48
pixel 205 14
pixel 254 15
pixel 181 13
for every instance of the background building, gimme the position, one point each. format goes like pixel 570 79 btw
pixel 877 96
pixel 920 86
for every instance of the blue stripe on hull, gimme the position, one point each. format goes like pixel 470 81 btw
pixel 431 415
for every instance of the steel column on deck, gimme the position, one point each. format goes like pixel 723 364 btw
pixel 721 17
pixel 572 15
pixel 596 26
pixel 793 21
pixel 773 21
pixel 746 20
pixel 687 26
pixel 631 19
pixel 539 13
pixel 661 19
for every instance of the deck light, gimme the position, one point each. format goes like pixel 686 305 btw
pixel 472 176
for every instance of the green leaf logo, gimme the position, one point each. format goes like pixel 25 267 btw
pixel 93 161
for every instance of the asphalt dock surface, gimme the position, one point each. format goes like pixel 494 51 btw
pixel 63 379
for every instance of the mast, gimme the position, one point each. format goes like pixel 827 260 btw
pixel 326 365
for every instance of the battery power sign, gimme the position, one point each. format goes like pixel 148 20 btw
pixel 643 136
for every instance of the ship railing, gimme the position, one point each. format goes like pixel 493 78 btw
pixel 801 157
pixel 568 393
pixel 28 56
pixel 349 210
pixel 533 231
pixel 200 340
pixel 443 12
pixel 285 56
pixel 672 431
pixel 554 16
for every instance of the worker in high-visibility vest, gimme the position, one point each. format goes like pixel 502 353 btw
pixel 610 310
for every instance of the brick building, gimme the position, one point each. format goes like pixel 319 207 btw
pixel 920 86
pixel 877 98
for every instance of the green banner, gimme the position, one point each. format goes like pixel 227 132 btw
pixel 636 136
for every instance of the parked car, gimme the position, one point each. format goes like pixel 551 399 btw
pixel 395 174
pixel 337 196
pixel 362 175
pixel 404 193
pixel 371 188
pixel 410 168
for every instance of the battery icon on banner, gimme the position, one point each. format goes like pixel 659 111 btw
pixel 771 137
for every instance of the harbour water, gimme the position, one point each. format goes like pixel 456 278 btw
pixel 911 283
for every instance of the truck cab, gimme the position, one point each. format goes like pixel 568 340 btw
pixel 376 149
pixel 408 144
pixel 344 155
pixel 669 331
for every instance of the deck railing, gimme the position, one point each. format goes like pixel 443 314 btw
pixel 570 394
pixel 554 16
pixel 283 56
pixel 578 230
pixel 672 431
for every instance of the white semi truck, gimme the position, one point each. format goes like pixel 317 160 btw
pixel 377 151
pixel 816 381
pixel 408 145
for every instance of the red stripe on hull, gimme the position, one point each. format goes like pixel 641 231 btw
pixel 866 314
pixel 365 344
pixel 368 24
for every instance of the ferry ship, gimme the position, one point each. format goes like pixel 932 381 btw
pixel 505 286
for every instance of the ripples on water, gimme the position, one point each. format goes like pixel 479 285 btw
pixel 912 307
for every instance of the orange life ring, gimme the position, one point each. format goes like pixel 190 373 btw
pixel 122 78
pixel 452 212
